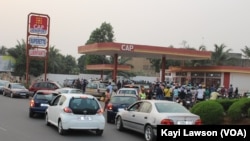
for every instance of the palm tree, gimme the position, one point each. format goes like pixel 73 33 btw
pixel 246 52
pixel 202 48
pixel 220 55
pixel 3 50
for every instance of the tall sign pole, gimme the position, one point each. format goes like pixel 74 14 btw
pixel 37 41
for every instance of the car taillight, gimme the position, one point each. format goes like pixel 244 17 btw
pixel 32 103
pixel 67 110
pixel 110 106
pixel 100 111
pixel 167 122
pixel 198 122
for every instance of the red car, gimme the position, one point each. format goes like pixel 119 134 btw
pixel 43 85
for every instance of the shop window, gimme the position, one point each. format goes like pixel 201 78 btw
pixel 197 74
pixel 213 74
pixel 181 73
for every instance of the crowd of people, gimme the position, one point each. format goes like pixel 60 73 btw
pixel 187 93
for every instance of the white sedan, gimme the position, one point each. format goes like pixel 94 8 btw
pixel 144 116
pixel 75 112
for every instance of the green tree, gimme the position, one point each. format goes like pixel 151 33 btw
pixel 19 53
pixel 81 63
pixel 70 65
pixel 3 50
pixel 220 55
pixel 103 34
pixel 246 52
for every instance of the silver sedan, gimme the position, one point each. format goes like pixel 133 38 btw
pixel 144 116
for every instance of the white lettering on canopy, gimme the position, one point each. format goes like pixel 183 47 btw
pixel 126 47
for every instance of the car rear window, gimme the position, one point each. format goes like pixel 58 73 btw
pixel 170 108
pixel 123 99
pixel 84 106
pixel 42 96
pixel 127 92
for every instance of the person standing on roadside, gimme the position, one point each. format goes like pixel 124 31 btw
pixel 160 92
pixel 107 98
pixel 110 87
pixel 168 93
pixel 230 91
pixel 142 94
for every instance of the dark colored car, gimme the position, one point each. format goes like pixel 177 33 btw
pixel 15 90
pixel 40 101
pixel 43 85
pixel 118 103
pixel 2 85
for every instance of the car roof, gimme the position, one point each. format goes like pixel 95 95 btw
pixel 77 95
pixel 68 88
pixel 46 91
pixel 127 89
pixel 157 101
pixel 131 95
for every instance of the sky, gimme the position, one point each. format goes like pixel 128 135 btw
pixel 144 22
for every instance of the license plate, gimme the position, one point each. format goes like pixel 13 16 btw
pixel 184 122
pixel 22 94
pixel 120 109
pixel 85 118
pixel 44 105
pixel 188 102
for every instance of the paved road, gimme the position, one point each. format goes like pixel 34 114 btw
pixel 15 125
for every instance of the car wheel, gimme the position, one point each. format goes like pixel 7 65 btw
pixel 11 95
pixel 149 133
pixel 31 114
pixel 119 124
pixel 61 131
pixel 98 132
pixel 47 120
pixel 4 94
pixel 108 118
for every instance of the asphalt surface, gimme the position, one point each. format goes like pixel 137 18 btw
pixel 15 125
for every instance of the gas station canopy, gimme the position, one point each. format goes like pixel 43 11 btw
pixel 143 51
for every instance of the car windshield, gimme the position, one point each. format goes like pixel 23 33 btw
pixel 43 96
pixel 84 106
pixel 170 108
pixel 92 85
pixel 123 99
pixel 17 86
pixel 2 83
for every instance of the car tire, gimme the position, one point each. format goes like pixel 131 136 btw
pixel 47 120
pixel 98 132
pixel 119 124
pixel 31 114
pixel 108 118
pixel 149 133
pixel 11 95
pixel 60 129
pixel 4 94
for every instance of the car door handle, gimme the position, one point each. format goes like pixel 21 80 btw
pixel 145 117
pixel 133 115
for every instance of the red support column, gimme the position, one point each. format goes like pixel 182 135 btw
pixel 115 67
pixel 163 67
